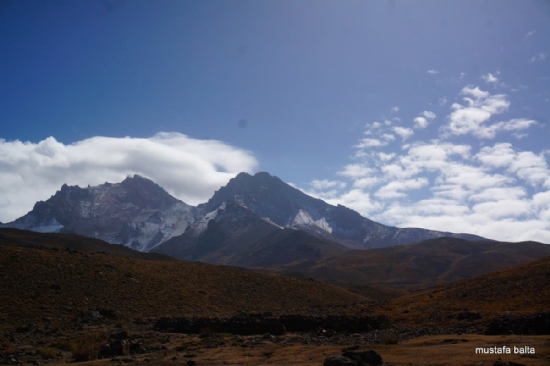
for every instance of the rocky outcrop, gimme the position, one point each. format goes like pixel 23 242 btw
pixel 536 324
pixel 249 324
pixel 366 358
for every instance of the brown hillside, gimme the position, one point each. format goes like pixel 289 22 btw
pixel 520 290
pixel 53 286
pixel 417 266
pixel 31 239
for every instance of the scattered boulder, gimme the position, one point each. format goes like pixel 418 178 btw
pixel 536 324
pixel 338 360
pixel 510 363
pixel 366 358
pixel 90 316
pixel 468 315
pixel 249 324
pixel 105 352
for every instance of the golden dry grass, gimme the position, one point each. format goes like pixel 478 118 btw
pixel 46 286
pixel 443 350
pixel 520 290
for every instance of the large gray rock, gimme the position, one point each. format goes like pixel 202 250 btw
pixel 338 360
pixel 366 358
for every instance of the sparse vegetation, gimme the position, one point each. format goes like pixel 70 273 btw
pixel 389 337
pixel 63 345
pixel 83 311
pixel 86 348
pixel 47 353
pixel 164 288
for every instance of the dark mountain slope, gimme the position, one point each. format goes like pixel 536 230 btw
pixel 429 263
pixel 233 235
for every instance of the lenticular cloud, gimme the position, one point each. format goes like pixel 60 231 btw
pixel 189 169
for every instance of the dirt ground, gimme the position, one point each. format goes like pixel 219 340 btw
pixel 444 350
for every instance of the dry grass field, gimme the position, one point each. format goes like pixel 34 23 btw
pixel 419 266
pixel 60 305
pixel 299 349
pixel 52 287
pixel 520 290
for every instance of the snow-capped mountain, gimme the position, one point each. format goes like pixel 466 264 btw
pixel 136 213
pixel 234 235
pixel 251 214
pixel 284 206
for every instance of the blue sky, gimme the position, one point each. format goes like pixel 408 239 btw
pixel 393 108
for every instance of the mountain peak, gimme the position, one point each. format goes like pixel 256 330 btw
pixel 129 177
pixel 267 196
pixel 136 179
pixel 136 212
pixel 258 177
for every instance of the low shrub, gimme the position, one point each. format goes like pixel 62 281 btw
pixel 389 337
pixel 86 348
pixel 47 353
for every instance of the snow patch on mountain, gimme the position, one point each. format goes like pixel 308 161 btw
pixel 304 219
pixel 202 224
pixel 267 219
pixel 48 227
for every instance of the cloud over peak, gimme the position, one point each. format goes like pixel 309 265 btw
pixel 190 169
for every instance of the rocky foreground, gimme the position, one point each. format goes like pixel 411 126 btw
pixel 192 340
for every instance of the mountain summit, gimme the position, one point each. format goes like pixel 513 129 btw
pixel 137 213
pixel 287 207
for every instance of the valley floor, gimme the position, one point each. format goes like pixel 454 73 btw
pixel 311 348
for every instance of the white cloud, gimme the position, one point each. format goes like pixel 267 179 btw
pixel 356 171
pixel 428 115
pixel 497 156
pixel 365 182
pixel 502 208
pixel 388 137
pixel 404 132
pixel 496 194
pixel 496 191
pixel 394 189
pixel 540 57
pixel 420 122
pixel 476 92
pixel 512 125
pixel 526 165
pixel 490 78
pixel 385 157
pixel 476 192
pixel 376 125
pixel 395 109
pixel 473 118
pixel 432 71
pixel 357 199
pixel 529 34
pixel 366 143
pixel 325 184
pixel 187 168
pixel 438 206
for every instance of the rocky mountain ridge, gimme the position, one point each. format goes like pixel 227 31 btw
pixel 136 213
pixel 141 215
